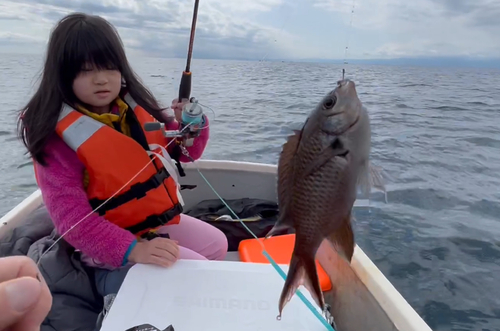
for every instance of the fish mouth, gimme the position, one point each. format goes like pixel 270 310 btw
pixel 341 132
pixel 344 82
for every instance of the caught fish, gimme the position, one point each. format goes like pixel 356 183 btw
pixel 319 171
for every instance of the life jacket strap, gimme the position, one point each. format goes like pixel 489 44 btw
pixel 137 191
pixel 150 235
pixel 176 155
pixel 154 221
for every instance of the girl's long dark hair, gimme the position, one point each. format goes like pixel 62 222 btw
pixel 77 40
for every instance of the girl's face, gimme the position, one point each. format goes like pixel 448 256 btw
pixel 97 88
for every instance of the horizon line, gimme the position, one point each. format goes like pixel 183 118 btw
pixel 427 61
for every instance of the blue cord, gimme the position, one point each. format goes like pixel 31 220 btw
pixel 270 259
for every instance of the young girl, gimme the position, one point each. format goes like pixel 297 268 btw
pixel 84 130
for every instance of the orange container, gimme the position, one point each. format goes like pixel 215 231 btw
pixel 280 248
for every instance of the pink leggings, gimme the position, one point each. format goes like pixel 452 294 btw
pixel 197 241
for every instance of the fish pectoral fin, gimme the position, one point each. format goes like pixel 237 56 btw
pixel 377 180
pixel 370 177
pixel 337 148
pixel 343 239
pixel 302 271
pixel 364 183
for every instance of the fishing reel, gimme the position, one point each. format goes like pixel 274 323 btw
pixel 192 116
pixel 191 123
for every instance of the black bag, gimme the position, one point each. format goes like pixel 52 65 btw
pixel 257 214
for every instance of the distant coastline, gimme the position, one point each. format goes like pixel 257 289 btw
pixel 443 61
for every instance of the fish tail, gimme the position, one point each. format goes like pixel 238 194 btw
pixel 302 271
pixel 343 239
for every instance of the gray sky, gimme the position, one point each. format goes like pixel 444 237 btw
pixel 256 29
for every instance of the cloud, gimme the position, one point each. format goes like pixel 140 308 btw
pixel 293 29
pixel 479 13
pixel 163 27
pixel 424 27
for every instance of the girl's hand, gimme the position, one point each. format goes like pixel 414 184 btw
pixel 194 129
pixel 177 108
pixel 159 251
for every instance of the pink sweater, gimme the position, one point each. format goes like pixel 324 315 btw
pixel 61 184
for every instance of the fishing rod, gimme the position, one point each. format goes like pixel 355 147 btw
pixel 192 112
pixel 185 85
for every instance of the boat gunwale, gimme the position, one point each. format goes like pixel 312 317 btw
pixel 399 311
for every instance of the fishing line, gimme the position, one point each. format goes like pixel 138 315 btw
pixel 348 37
pixel 285 21
pixel 264 252
pixel 111 197
pixel 213 112
pixel 280 271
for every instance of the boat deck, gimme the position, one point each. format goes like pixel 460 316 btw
pixel 233 256
pixel 359 287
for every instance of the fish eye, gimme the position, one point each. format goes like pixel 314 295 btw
pixel 330 102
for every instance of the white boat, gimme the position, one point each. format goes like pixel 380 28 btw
pixel 361 296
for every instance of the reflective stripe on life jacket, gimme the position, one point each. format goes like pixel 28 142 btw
pixel 143 194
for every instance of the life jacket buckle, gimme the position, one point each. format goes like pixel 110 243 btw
pixel 164 218
pixel 153 182
pixel 158 179
pixel 155 221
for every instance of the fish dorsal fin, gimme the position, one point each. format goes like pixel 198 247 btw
pixel 285 181
pixel 286 164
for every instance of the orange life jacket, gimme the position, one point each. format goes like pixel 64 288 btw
pixel 143 194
